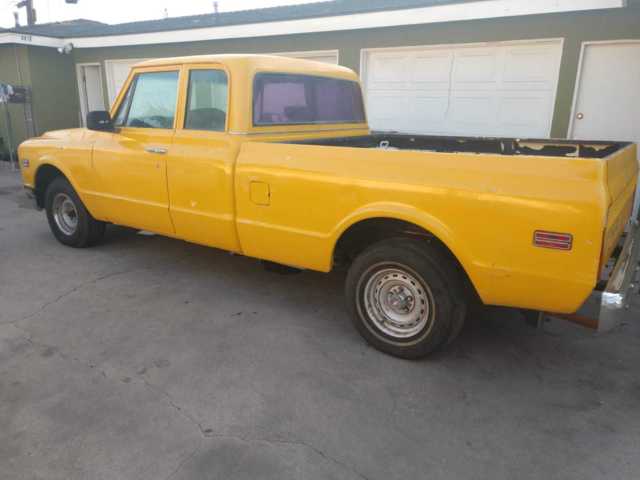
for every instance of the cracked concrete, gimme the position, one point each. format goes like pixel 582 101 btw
pixel 149 358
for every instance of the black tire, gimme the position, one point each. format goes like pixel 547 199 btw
pixel 87 230
pixel 430 278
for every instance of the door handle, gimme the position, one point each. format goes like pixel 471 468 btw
pixel 160 150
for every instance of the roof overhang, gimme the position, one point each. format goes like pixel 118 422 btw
pixel 482 9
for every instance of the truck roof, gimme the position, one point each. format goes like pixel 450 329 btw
pixel 255 62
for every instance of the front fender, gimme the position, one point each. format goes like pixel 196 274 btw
pixel 75 168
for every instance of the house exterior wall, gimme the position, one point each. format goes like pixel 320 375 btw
pixel 51 77
pixel 55 90
pixel 574 28
pixel 54 85
pixel 14 70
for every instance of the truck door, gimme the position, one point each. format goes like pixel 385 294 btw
pixel 201 168
pixel 131 165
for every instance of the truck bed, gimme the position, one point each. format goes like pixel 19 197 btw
pixel 482 197
pixel 502 146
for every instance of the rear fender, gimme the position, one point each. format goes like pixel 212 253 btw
pixel 407 213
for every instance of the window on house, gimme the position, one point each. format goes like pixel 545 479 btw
pixel 285 99
pixel 150 101
pixel 206 101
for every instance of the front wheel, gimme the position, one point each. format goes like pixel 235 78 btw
pixel 69 220
pixel 406 297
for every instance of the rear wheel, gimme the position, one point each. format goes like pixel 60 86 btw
pixel 69 220
pixel 406 297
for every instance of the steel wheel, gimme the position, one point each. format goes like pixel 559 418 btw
pixel 65 214
pixel 397 302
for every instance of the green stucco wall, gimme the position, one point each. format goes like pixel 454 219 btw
pixel 55 91
pixel 14 69
pixel 51 77
pixel 574 28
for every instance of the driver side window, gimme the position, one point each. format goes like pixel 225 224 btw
pixel 150 101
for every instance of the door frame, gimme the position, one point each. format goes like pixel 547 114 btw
pixel 559 40
pixel 82 93
pixel 578 83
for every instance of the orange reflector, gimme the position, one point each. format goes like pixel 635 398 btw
pixel 558 241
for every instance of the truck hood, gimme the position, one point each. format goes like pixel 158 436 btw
pixel 64 134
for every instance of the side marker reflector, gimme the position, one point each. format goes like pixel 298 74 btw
pixel 557 241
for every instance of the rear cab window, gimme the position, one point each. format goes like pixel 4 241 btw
pixel 296 99
pixel 150 101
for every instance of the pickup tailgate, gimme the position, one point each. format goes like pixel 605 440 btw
pixel 621 172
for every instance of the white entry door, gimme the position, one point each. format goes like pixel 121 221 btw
pixel 90 89
pixel 607 104
pixel 489 89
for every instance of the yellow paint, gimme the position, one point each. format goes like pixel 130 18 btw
pixel 240 191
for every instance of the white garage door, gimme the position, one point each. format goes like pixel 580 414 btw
pixel 499 89
pixel 326 56
pixel 117 72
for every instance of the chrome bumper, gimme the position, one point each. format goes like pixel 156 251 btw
pixel 608 306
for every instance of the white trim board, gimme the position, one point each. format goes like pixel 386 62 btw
pixel 481 9
pixel 38 40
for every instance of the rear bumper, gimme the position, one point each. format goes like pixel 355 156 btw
pixel 607 307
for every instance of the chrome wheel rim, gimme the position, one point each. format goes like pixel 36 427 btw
pixel 398 303
pixel 65 213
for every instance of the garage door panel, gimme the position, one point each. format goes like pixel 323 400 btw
pixel 330 57
pixel 431 71
pixel 117 72
pixel 389 71
pixel 522 64
pixel 499 89
pixel 473 113
pixel 431 110
pixel 521 115
pixel 475 67
pixel 391 109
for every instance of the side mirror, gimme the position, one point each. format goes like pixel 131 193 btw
pixel 100 121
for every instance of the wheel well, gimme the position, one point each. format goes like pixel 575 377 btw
pixel 44 176
pixel 365 233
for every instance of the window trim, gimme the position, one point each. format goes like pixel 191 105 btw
pixel 133 83
pixel 132 86
pixel 323 123
pixel 187 89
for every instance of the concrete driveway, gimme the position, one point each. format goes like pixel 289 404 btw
pixel 149 358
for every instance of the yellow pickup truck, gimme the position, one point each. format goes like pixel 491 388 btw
pixel 272 158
